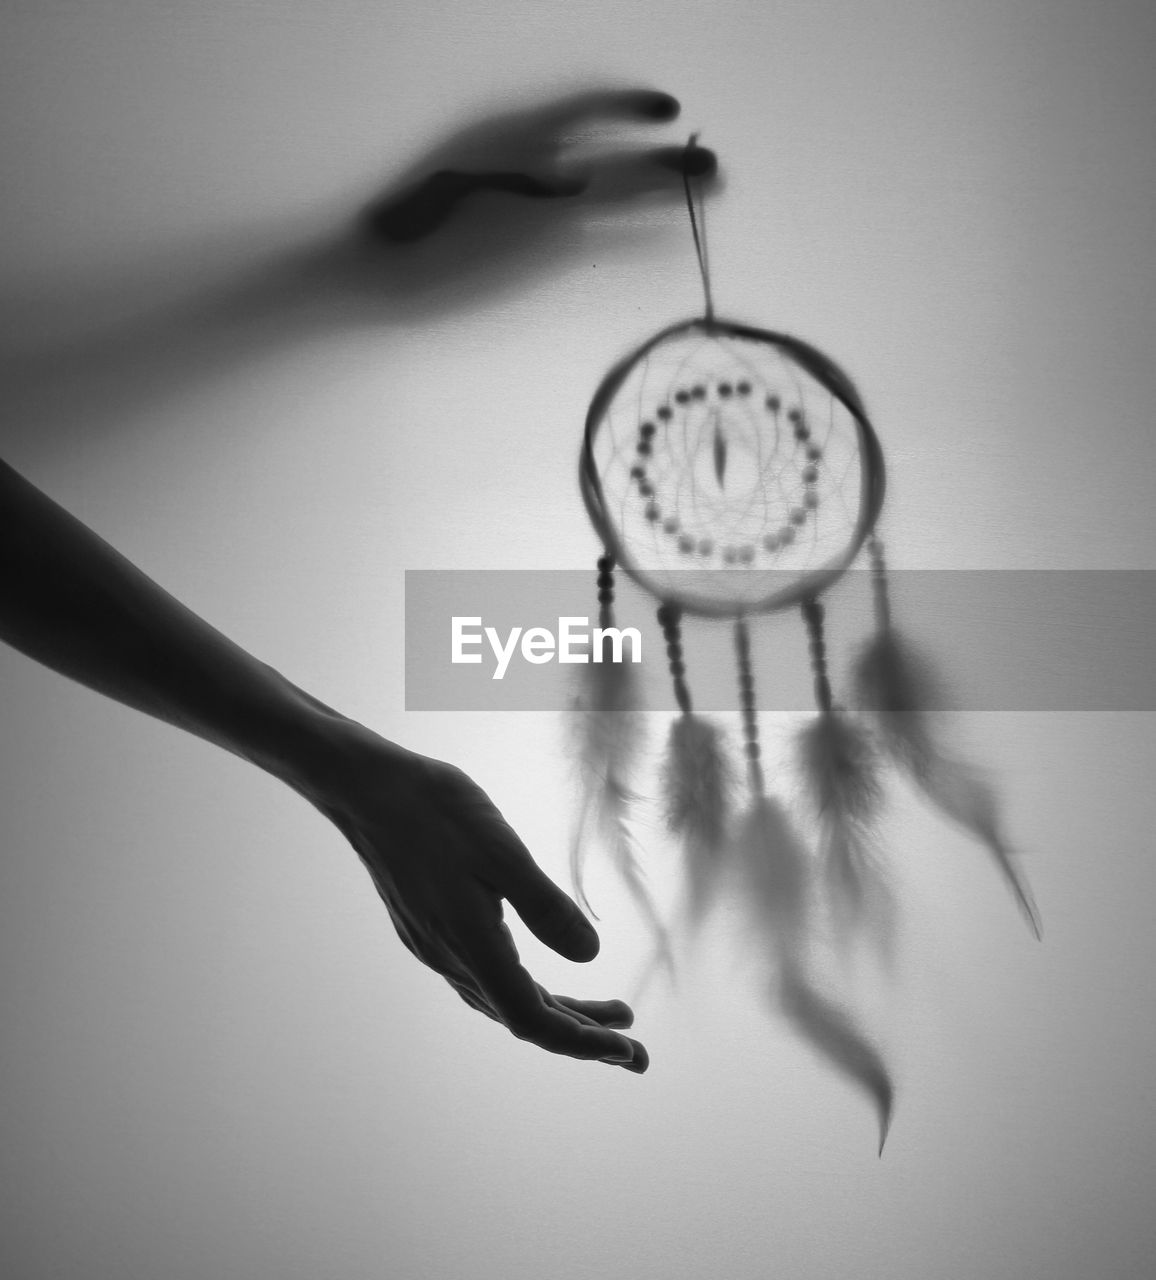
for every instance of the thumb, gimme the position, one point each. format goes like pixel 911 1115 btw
pixel 551 915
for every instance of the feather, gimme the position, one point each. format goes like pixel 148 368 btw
pixel 898 685
pixel 698 782
pixel 774 867
pixel 967 798
pixel 841 778
pixel 833 1032
pixel 840 768
pixel 605 731
pixel 606 738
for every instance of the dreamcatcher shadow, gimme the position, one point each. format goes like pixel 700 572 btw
pixel 733 472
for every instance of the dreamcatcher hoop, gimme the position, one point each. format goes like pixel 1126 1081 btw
pixel 829 376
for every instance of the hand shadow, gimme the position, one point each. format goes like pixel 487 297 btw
pixel 489 209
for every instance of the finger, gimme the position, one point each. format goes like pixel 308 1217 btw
pixel 647 105
pixel 607 1013
pixel 693 160
pixel 626 175
pixel 492 959
pixel 550 914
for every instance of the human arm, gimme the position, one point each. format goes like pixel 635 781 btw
pixel 439 852
pixel 494 208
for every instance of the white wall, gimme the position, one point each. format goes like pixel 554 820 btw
pixel 217 1059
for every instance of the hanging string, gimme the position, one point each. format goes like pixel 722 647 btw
pixel 747 705
pixel 670 620
pixel 700 246
pixel 813 616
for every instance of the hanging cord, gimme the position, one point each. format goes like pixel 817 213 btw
pixel 670 620
pixel 700 246
pixel 879 589
pixel 747 704
pixel 813 616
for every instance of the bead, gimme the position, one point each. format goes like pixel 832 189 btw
pixel 673 649
pixel 802 431
pixel 668 615
pixel 682 397
pixel 810 499
pixel 787 535
pixel 746 554
pixel 724 389
pixel 652 511
pixel 699 392
pixel 606 563
pixel 814 452
pixel 646 489
pixel 744 388
pixel 798 515
pixel 774 404
pixel 677 668
pixel 637 472
pixel 810 475
pixel 644 448
pixel 670 525
pixel 752 750
pixel 606 597
pixel 771 542
pixel 647 430
pixel 664 413
pixel 686 544
pixel 729 555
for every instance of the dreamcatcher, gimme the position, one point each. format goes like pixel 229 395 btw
pixel 733 472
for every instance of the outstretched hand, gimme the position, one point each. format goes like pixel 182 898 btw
pixel 443 859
